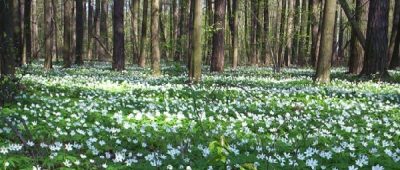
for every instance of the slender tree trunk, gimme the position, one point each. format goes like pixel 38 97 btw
pixel 155 37
pixel 90 31
pixel 356 50
pixel 235 33
pixel 264 53
pixel 103 29
pixel 174 30
pixel 253 33
pixel 328 28
pixel 35 32
pixel 315 30
pixel 67 33
pixel 303 35
pixel 290 28
pixel 195 72
pixel 79 32
pixel 96 31
pixel 118 36
pixel 28 32
pixel 18 32
pixel 48 34
pixel 377 41
pixel 142 59
pixel 134 31
pixel 217 59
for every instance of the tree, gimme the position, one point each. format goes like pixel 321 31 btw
pixel 195 68
pixel 315 30
pixel 356 50
pixel 394 48
pixel 234 22
pixel 265 47
pixel 142 58
pixel 134 34
pixel 79 32
pixel 377 41
pixel 253 33
pixel 48 34
pixel 68 40
pixel 325 53
pixel 103 30
pixel 118 38
pixel 7 59
pixel 27 32
pixel 217 59
pixel 155 37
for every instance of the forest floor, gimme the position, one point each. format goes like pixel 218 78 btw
pixel 93 118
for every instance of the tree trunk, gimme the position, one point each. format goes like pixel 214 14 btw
pixel 68 14
pixel 253 33
pixel 264 53
pixel 289 32
pixel 195 68
pixel 7 59
pixel 235 33
pixel 394 43
pixel 96 31
pixel 118 38
pixel 174 30
pixel 217 59
pixel 303 34
pixel 356 50
pixel 79 32
pixel 142 58
pixel 155 37
pixel 103 29
pixel 28 32
pixel 48 34
pixel 35 32
pixel 377 41
pixel 134 31
pixel 90 31
pixel 315 30
pixel 328 28
pixel 18 32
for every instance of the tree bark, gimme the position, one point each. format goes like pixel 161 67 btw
pixel 235 33
pixel 394 40
pixel 353 22
pixel 103 29
pixel 195 72
pixel 325 54
pixel 118 38
pixel 134 31
pixel 253 33
pixel 217 59
pixel 28 32
pixel 79 32
pixel 264 53
pixel 155 37
pixel 68 14
pixel 315 30
pixel 142 58
pixel 356 50
pixel 7 59
pixel 48 34
pixel 377 41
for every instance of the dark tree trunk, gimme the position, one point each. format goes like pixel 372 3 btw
pixel 118 38
pixel 265 46
pixel 217 59
pixel 134 31
pixel 393 52
pixel 90 31
pixel 96 31
pixel 303 35
pixel 28 32
pixel 142 58
pixel 235 33
pixel 315 29
pixel 253 33
pixel 35 32
pixel 103 30
pixel 7 59
pixel 377 41
pixel 18 32
pixel 79 32
pixel 68 15
pixel 356 50
pixel 48 35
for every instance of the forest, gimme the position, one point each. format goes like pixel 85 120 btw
pixel 200 84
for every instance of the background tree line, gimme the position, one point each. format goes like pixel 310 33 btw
pixel 359 34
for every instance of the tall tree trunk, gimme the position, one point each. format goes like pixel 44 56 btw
pixel 235 33
pixel 217 59
pixel 210 23
pixel 96 31
pixel 48 34
pixel 264 53
pixel 18 32
pixel 190 33
pixel 90 31
pixel 195 68
pixel 68 33
pixel 118 38
pixel 27 32
pixel 54 42
pixel 289 43
pixel 103 29
pixel 377 41
pixel 79 32
pixel 303 34
pixel 35 31
pixel 253 33
pixel 134 31
pixel 174 29
pixel 7 59
pixel 142 58
pixel 395 31
pixel 356 50
pixel 328 28
pixel 315 30
pixel 155 37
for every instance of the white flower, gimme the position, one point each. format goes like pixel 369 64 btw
pixel 67 163
pixel 3 150
pixel 37 167
pixel 6 164
pixel 170 167
pixel 312 163
pixel 377 167
pixel 188 168
pixel 104 165
pixel 352 167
